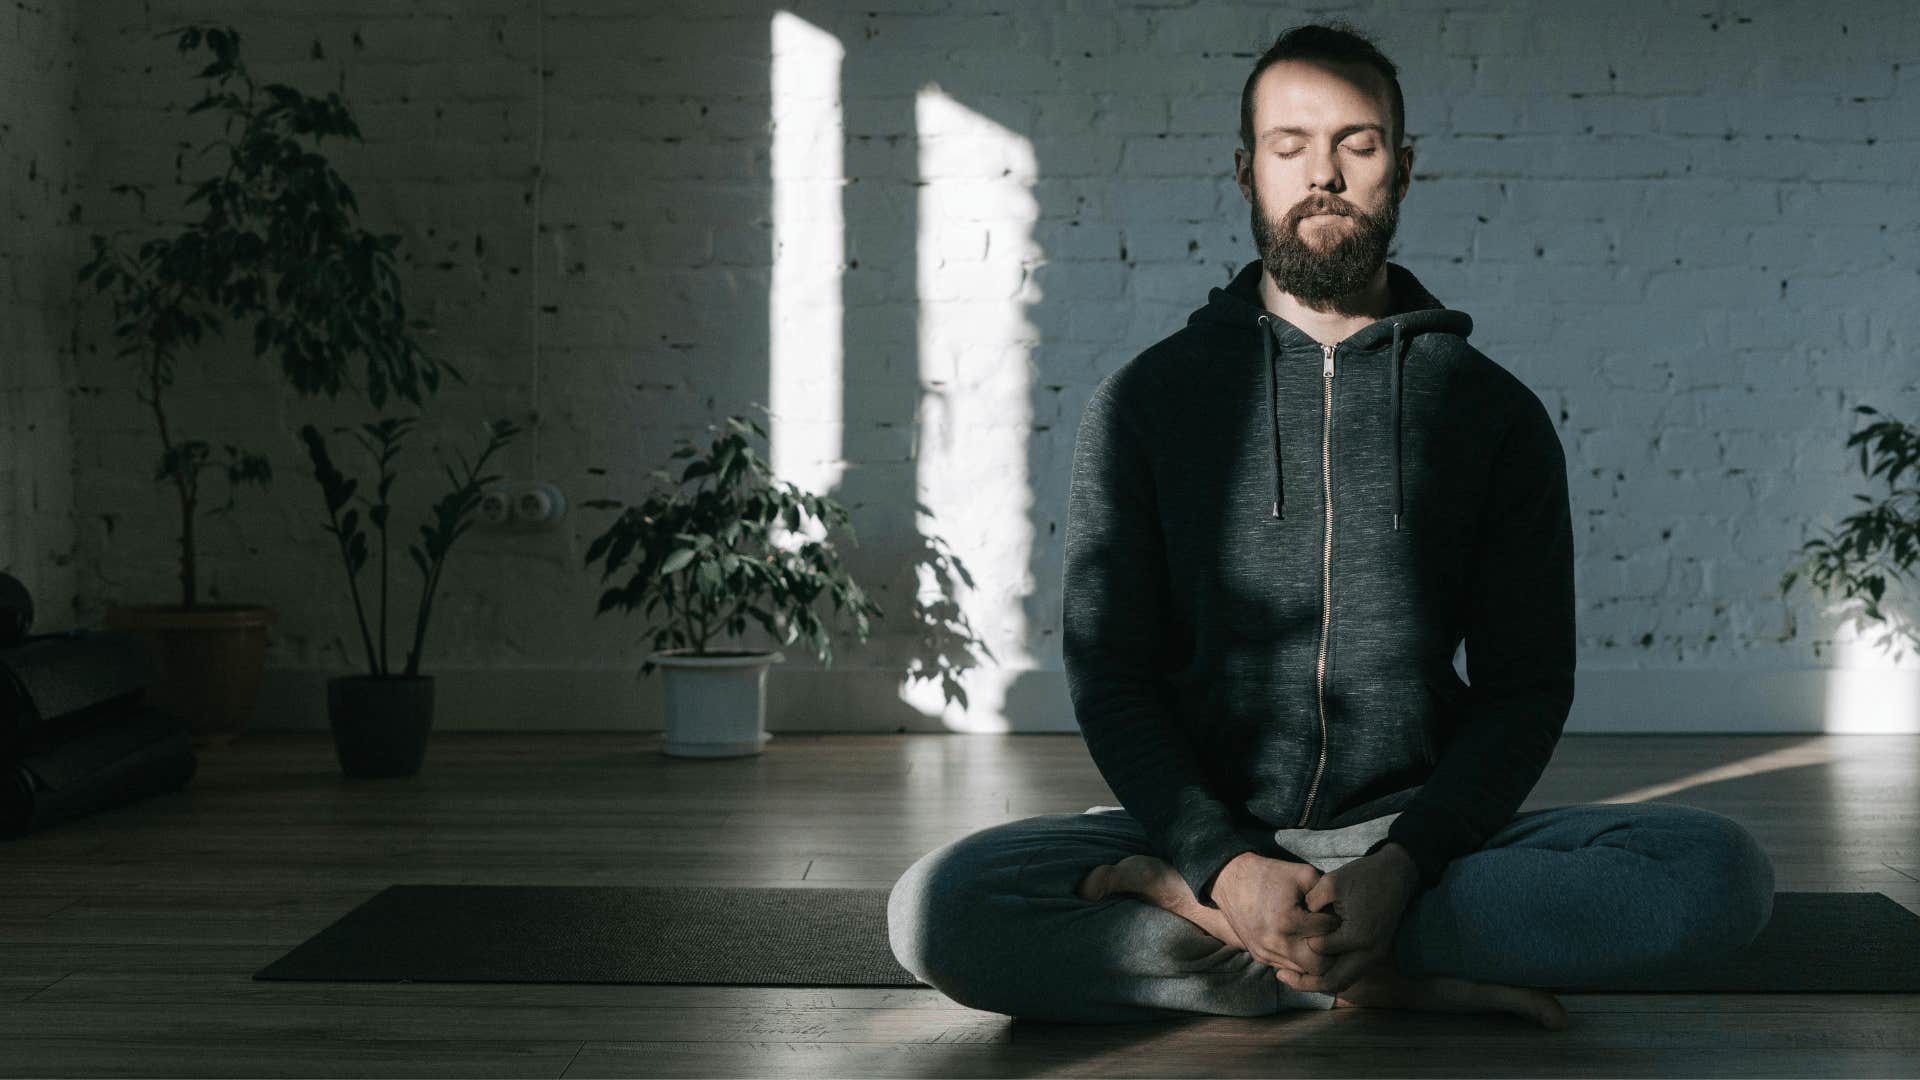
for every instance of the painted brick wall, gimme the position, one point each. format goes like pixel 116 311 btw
pixel 38 59
pixel 1690 229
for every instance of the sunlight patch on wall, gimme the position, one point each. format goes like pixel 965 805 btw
pixel 975 259
pixel 805 346
pixel 1871 688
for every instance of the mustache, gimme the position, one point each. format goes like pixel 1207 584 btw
pixel 1308 209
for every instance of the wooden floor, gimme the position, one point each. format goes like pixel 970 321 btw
pixel 128 940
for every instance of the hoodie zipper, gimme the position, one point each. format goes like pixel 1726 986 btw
pixel 1326 571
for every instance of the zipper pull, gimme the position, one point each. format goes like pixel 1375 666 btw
pixel 1327 351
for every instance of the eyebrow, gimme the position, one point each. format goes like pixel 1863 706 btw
pixel 1337 135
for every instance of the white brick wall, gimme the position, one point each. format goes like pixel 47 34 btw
pixel 38 58
pixel 1690 230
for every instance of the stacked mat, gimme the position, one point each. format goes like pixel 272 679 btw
pixel 76 735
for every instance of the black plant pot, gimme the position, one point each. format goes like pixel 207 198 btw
pixel 380 722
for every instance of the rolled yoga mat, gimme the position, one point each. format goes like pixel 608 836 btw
pixel 147 751
pixel 1817 942
pixel 59 685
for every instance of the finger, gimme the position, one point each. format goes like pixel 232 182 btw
pixel 1266 954
pixel 1308 918
pixel 1349 967
pixel 1283 966
pixel 1316 957
pixel 1313 923
pixel 1291 979
pixel 1294 980
pixel 1305 959
pixel 1346 939
pixel 1274 960
pixel 1337 977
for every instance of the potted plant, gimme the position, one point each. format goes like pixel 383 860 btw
pixel 276 244
pixel 706 551
pixel 1878 543
pixel 380 720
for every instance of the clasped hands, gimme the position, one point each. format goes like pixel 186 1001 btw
pixel 1319 931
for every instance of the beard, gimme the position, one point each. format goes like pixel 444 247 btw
pixel 1320 273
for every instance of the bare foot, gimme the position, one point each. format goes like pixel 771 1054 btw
pixel 1157 882
pixel 1382 986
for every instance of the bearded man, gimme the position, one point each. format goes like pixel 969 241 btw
pixel 1285 519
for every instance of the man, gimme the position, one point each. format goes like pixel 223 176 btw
pixel 1284 520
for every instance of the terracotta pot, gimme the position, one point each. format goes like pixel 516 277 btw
pixel 716 701
pixel 380 723
pixel 210 658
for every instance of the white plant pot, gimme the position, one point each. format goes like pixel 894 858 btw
pixel 717 702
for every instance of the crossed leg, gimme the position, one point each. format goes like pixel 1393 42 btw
pixel 1557 899
pixel 1382 986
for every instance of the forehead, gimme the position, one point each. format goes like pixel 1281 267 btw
pixel 1319 95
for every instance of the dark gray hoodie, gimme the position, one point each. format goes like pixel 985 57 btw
pixel 1274 549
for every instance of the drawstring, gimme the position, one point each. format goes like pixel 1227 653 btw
pixel 1394 357
pixel 1273 410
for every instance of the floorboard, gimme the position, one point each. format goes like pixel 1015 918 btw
pixel 128 940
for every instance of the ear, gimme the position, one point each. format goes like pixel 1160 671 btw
pixel 1243 172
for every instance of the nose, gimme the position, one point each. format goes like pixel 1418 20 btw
pixel 1323 172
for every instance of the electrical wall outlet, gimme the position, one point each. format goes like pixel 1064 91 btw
pixel 538 504
pixel 496 507
pixel 521 505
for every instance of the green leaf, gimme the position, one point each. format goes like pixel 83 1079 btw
pixel 623 546
pixel 598 547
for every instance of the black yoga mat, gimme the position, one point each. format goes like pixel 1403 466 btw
pixel 606 934
pixel 1816 943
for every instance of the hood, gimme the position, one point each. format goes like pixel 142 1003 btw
pixel 1412 311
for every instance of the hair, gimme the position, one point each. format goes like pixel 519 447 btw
pixel 1337 42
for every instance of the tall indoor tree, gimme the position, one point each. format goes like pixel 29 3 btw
pixel 272 240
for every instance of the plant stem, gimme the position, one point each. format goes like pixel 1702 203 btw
pixel 458 506
pixel 700 624
pixel 353 587
pixel 737 609
pixel 420 619
pixel 182 478
pixel 385 667
pixel 360 616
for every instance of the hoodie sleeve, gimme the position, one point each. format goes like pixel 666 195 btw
pixel 1520 655
pixel 1115 615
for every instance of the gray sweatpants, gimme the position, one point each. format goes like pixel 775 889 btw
pixel 1557 897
